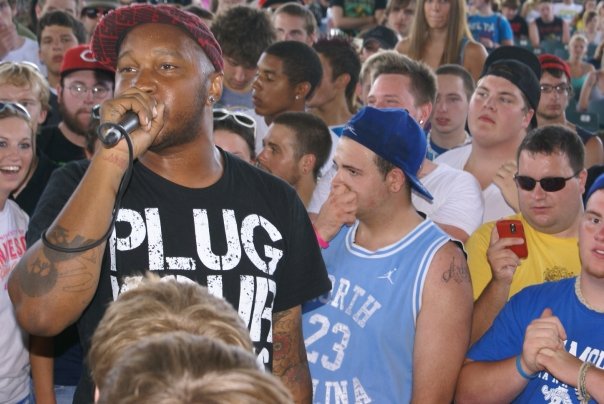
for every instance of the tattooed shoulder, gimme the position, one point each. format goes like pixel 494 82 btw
pixel 457 271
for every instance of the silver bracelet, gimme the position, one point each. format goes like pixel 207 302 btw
pixel 582 393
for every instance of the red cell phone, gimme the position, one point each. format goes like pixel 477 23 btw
pixel 513 228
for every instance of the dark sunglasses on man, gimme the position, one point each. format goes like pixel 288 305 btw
pixel 548 184
pixel 95 12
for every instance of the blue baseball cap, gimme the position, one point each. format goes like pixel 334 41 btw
pixel 596 186
pixel 393 135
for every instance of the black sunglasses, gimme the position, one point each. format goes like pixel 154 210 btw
pixel 15 109
pixel 220 114
pixel 94 12
pixel 548 184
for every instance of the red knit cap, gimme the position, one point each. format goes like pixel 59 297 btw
pixel 112 29
pixel 81 58
pixel 549 61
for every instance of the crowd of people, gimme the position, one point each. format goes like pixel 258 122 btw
pixel 308 201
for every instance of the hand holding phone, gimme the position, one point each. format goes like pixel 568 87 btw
pixel 513 228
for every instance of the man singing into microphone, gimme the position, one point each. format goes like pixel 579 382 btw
pixel 190 211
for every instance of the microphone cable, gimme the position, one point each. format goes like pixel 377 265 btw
pixel 116 207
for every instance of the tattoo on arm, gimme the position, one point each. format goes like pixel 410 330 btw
pixel 283 342
pixel 38 274
pixel 458 271
pixel 114 159
pixel 289 355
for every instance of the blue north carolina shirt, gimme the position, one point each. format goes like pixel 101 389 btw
pixel 359 339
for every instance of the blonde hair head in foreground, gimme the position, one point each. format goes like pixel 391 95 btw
pixel 180 368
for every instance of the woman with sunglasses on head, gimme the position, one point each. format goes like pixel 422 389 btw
pixel 16 154
pixel 440 35
pixel 234 132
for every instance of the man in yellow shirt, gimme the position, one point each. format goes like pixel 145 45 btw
pixel 550 181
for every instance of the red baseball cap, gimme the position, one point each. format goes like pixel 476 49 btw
pixel 81 58
pixel 112 29
pixel 549 61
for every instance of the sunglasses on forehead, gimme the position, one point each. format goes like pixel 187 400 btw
pixel 15 109
pixel 548 184
pixel 22 64
pixel 220 114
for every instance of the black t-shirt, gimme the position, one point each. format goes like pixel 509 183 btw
pixel 519 27
pixel 56 146
pixel 54 116
pixel 29 196
pixel 550 31
pixel 247 237
pixel 59 188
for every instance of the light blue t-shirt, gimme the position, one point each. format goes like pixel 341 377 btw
pixel 359 339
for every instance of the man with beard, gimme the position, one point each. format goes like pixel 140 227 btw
pixel 84 83
pixel 189 211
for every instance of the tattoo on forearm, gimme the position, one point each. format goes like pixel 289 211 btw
pixel 458 271
pixel 114 159
pixel 289 356
pixel 282 341
pixel 38 275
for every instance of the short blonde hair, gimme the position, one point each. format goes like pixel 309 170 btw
pixel 26 75
pixel 181 368
pixel 160 306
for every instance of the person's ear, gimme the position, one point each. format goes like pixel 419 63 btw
pixel 307 163
pixel 425 110
pixel 526 120
pixel 302 90
pixel 395 180
pixel 342 80
pixel 215 88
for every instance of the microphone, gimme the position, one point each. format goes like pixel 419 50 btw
pixel 110 133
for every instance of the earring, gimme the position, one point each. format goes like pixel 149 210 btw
pixel 297 97
pixel 211 99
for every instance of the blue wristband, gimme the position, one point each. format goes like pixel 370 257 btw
pixel 521 371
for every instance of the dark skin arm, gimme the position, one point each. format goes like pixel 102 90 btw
pixel 41 358
pixel 289 354
pixel 50 289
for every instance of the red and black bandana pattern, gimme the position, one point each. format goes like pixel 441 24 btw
pixel 112 29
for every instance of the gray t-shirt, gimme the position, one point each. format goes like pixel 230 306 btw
pixel 235 101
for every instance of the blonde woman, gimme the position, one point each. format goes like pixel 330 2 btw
pixel 579 68
pixel 16 154
pixel 440 35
